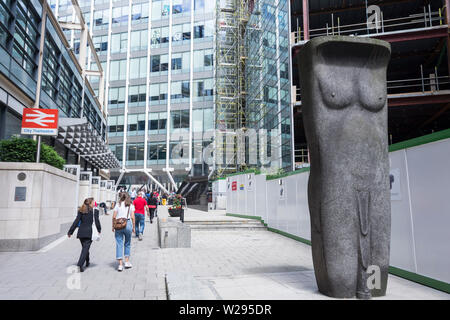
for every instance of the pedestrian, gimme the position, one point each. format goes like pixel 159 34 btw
pixel 140 205
pixel 123 211
pixel 84 220
pixel 152 205
pixel 133 194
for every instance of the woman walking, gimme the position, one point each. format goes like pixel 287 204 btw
pixel 152 205
pixel 84 220
pixel 123 211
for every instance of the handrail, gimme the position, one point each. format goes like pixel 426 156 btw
pixel 426 18
pixel 434 83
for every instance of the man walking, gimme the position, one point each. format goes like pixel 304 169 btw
pixel 140 206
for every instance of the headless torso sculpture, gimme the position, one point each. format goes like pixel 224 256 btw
pixel 344 105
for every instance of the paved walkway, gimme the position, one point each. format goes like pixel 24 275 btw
pixel 219 265
pixel 254 265
pixel 45 275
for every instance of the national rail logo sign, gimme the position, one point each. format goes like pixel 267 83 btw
pixel 42 122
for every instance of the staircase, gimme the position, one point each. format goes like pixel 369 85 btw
pixel 225 223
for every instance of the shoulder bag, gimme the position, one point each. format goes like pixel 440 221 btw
pixel 121 223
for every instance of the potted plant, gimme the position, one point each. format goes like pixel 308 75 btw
pixel 177 209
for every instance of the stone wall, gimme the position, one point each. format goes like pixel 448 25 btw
pixel 37 205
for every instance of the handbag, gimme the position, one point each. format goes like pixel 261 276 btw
pixel 121 223
pixel 95 234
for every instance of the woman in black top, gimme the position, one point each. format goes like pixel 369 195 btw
pixel 86 216
pixel 152 203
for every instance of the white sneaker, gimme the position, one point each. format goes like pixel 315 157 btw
pixel 128 264
pixel 120 268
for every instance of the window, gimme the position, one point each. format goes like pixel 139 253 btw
pixel 156 153
pixel 160 37
pixel 118 70
pixel 179 120
pixel 117 149
pixel 202 120
pixel 180 62
pixel 139 40
pixel 136 124
pixel 115 126
pixel 25 35
pixel 116 97
pixel 180 91
pixel 64 95
pixel 181 7
pixel 160 9
pixel 158 93
pixel 5 18
pixel 136 96
pixel 199 5
pixel 199 31
pixel 119 42
pixel 50 68
pixel 138 68
pixel 284 72
pixel 139 13
pixel 203 89
pixel 157 122
pixel 204 29
pixel 120 16
pixel 101 18
pixel 159 63
pixel 76 99
pixel 181 33
pixel 101 44
pixel 203 60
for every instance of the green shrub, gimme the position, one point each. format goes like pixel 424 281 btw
pixel 24 150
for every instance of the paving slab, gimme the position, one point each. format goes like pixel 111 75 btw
pixel 45 274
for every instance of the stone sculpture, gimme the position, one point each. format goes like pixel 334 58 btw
pixel 344 106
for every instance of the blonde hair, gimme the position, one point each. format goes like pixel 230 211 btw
pixel 86 205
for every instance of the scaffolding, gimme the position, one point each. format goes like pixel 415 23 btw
pixel 231 20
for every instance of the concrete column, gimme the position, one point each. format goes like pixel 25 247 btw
pixel 306 19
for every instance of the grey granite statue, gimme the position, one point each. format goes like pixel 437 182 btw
pixel 344 105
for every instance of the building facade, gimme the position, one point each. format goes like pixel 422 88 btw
pixel 268 83
pixel 28 30
pixel 160 58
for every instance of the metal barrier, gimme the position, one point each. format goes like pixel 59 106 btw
pixel 425 19
pixel 432 83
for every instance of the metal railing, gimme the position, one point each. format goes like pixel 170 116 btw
pixel 432 83
pixel 301 157
pixel 425 19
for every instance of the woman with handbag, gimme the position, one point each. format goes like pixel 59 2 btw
pixel 84 221
pixel 123 226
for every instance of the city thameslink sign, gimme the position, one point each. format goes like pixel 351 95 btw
pixel 40 121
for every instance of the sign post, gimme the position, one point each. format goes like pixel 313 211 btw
pixel 40 122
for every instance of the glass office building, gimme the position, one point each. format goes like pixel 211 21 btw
pixel 158 57
pixel 268 83
pixel 159 84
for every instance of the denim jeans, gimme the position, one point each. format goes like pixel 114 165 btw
pixel 140 223
pixel 120 235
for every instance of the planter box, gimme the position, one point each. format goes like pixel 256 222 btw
pixel 177 213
